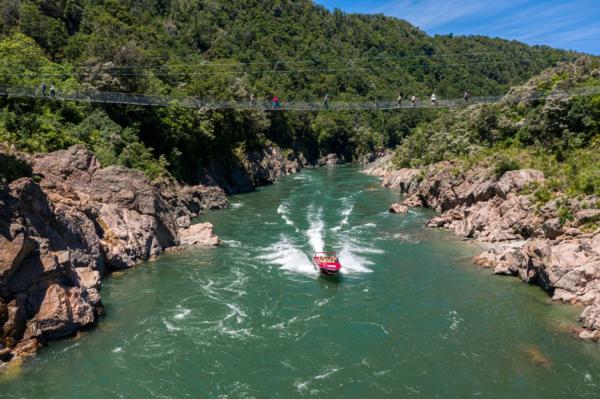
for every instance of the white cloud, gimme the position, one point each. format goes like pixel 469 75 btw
pixel 429 14
pixel 558 23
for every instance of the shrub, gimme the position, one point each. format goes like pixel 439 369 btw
pixel 564 215
pixel 504 165
pixel 589 187
pixel 542 195
pixel 12 169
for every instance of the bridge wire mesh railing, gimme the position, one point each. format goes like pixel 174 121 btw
pixel 213 104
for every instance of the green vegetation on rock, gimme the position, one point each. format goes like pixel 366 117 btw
pixel 558 134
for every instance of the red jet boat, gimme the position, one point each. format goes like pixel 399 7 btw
pixel 327 263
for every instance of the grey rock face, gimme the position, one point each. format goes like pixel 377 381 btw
pixel 252 169
pixel 59 238
pixel 329 160
pixel 200 234
pixel 552 228
pixel 529 241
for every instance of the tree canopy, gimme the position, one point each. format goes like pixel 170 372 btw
pixel 229 50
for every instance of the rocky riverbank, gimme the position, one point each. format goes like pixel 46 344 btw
pixel 69 222
pixel 555 244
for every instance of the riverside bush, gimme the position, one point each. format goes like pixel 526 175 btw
pixel 12 169
pixel 542 195
pixel 564 215
pixel 504 165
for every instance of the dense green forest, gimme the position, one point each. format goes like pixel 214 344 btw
pixel 230 50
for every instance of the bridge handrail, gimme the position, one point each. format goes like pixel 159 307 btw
pixel 199 102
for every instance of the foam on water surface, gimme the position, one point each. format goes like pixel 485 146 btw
pixel 288 257
pixel 315 232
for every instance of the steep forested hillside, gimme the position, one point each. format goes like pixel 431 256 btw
pixel 558 134
pixel 230 50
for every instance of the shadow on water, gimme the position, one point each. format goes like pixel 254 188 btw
pixel 330 281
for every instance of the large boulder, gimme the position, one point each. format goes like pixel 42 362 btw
pixel 398 208
pixel 329 160
pixel 200 234
pixel 14 251
pixel 133 220
pixel 197 198
pixel 587 216
pixel 61 312
pixel 552 228
pixel 515 180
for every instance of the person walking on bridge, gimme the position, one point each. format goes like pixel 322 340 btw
pixel 43 89
pixel 466 96
pixel 326 101
pixel 275 104
pixel 433 99
pixel 252 101
pixel 399 100
pixel 413 101
pixel 52 91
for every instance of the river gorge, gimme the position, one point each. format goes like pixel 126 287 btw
pixel 410 316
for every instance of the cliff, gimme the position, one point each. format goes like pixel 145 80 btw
pixel 539 243
pixel 71 222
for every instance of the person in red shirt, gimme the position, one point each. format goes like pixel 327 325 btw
pixel 275 104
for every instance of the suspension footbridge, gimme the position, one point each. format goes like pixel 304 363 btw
pixel 105 97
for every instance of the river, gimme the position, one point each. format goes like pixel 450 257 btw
pixel 410 316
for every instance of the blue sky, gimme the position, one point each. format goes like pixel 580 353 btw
pixel 558 23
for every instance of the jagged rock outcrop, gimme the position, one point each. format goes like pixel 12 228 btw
pixel 45 292
pixel 199 234
pixel 529 241
pixel 59 237
pixel 253 169
pixel 371 158
pixel 133 220
pixel 472 204
pixel 329 160
pixel 568 267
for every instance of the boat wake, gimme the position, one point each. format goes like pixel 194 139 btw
pixel 288 256
pixel 315 232
pixel 292 256
pixel 356 250
pixel 283 211
pixel 352 262
pixel 346 212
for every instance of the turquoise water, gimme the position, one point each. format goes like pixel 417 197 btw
pixel 410 317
